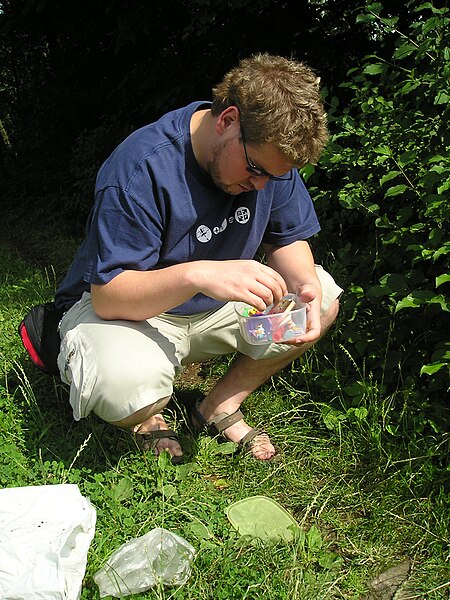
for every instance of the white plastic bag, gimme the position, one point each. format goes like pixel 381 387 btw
pixel 45 533
pixel 158 556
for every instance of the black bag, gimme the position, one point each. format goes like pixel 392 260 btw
pixel 40 336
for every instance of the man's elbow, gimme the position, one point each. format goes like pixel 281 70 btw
pixel 101 303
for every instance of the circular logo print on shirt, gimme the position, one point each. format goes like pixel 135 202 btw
pixel 203 233
pixel 242 214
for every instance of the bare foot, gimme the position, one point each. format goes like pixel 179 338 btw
pixel 157 423
pixel 261 446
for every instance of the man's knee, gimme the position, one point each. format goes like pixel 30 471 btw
pixel 334 309
pixel 141 415
pixel 330 315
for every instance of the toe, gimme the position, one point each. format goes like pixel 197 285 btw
pixel 172 446
pixel 262 448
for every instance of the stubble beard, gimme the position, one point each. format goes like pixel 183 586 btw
pixel 214 172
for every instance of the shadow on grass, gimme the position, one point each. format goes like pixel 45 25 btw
pixel 51 434
pixel 49 431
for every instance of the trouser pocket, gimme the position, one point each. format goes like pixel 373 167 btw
pixel 77 366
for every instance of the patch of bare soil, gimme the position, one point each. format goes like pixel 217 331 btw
pixel 192 376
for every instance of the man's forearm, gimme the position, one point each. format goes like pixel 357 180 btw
pixel 139 295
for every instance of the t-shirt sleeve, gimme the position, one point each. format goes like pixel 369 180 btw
pixel 292 217
pixel 123 235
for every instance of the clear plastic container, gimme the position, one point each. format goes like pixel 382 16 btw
pixel 285 323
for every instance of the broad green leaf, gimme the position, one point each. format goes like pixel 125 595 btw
pixel 436 236
pixel 361 412
pixel 445 249
pixel 334 102
pixel 442 279
pixel 329 560
pixel 168 490
pixel 183 470
pixel 383 150
pixel 199 530
pixel 307 171
pixel 431 24
pixel 404 50
pixel 432 369
pixel 442 98
pixel 164 460
pixel 375 7
pixel 407 302
pixel 390 22
pixel 225 448
pixel 356 289
pixel 374 69
pixel 389 176
pixel 409 86
pixel 407 157
pixel 420 297
pixel 122 490
pixel 425 295
pixel 423 6
pixel 438 158
pixel 378 291
pixel 438 169
pixel 383 222
pixel 371 207
pixel 443 301
pixel 396 190
pixel 314 539
pixel 365 18
pixel 395 281
pixel 332 418
pixel 444 187
pixel 355 389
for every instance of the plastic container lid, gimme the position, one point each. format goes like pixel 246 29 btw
pixel 262 517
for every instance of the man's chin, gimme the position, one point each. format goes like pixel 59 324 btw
pixel 232 190
pixel 237 189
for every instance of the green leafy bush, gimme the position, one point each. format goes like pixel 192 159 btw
pixel 382 192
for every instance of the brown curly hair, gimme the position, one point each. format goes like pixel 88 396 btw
pixel 279 103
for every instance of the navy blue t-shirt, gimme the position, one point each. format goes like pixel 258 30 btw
pixel 154 207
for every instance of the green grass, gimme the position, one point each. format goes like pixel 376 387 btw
pixel 366 492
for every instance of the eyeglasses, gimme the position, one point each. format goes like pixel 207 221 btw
pixel 254 170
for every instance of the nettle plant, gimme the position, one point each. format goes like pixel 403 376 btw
pixel 382 190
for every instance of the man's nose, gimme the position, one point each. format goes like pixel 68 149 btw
pixel 259 182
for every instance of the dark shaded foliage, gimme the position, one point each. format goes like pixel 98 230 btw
pixel 80 75
pixel 381 192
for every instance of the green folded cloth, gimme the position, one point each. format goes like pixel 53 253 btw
pixel 263 518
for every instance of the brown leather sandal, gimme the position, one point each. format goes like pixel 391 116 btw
pixel 152 438
pixel 217 426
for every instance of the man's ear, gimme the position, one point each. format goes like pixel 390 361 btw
pixel 228 118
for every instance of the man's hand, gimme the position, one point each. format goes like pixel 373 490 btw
pixel 240 280
pixel 309 295
pixel 296 264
